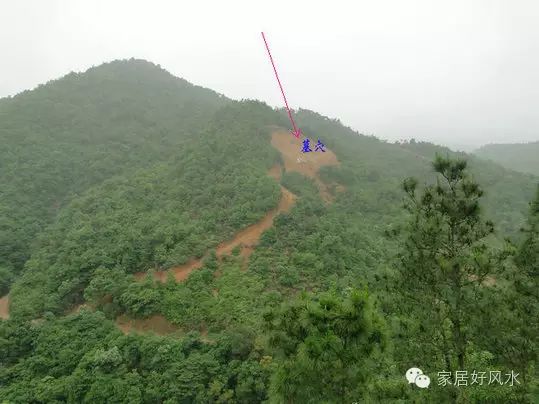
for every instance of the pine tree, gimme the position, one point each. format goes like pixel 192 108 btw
pixel 446 263
pixel 326 348
pixel 526 299
pixel 528 254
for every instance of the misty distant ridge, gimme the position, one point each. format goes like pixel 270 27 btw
pixel 532 144
pixel 523 157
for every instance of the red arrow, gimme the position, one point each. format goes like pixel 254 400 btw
pixel 296 132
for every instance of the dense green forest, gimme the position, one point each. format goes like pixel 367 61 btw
pixel 516 156
pixel 126 169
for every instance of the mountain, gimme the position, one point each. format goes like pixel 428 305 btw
pixel 134 203
pixel 515 156
pixel 75 132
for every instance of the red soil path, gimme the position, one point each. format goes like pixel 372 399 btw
pixel 156 324
pixel 4 307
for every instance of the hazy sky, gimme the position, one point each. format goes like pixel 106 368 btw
pixel 452 72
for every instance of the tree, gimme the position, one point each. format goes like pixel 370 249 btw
pixel 528 254
pixel 526 300
pixel 446 263
pixel 325 347
pixel 6 277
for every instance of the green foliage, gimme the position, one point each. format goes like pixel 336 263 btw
pixel 333 339
pixel 519 157
pixel 299 185
pixel 84 359
pixel 518 343
pixel 445 259
pixel 450 277
pixel 528 257
pixel 77 131
pixel 506 192
pixel 158 217
pixel 6 277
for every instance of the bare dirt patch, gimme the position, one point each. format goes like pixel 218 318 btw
pixel 180 272
pixel 488 281
pixel 307 164
pixel 156 324
pixel 275 172
pixel 4 307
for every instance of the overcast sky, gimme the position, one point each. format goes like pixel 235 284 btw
pixel 451 72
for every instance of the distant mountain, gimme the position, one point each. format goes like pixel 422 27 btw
pixel 523 157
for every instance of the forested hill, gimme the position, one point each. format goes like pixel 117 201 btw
pixel 111 177
pixel 372 164
pixel 521 157
pixel 72 133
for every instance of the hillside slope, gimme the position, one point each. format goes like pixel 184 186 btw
pixel 376 169
pixel 523 157
pixel 72 133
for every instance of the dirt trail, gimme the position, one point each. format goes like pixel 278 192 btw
pixel 4 307
pixel 180 272
pixel 156 324
pixel 307 164
pixel 246 239
pixel 275 172
pixel 250 235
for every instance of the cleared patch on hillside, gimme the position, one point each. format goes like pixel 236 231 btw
pixel 275 172
pixel 180 272
pixel 157 324
pixel 4 307
pixel 307 164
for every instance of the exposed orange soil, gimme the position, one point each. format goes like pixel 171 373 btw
pixel 4 307
pixel 488 281
pixel 275 172
pixel 180 272
pixel 249 236
pixel 156 324
pixel 307 164
pixel 246 238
